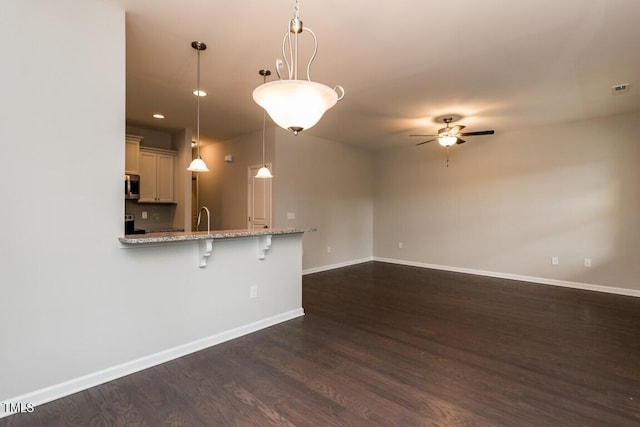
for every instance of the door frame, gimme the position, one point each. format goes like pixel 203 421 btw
pixel 250 176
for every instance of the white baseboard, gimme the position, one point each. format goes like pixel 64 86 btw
pixel 75 385
pixel 334 266
pixel 532 279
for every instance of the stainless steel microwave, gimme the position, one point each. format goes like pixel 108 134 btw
pixel 132 187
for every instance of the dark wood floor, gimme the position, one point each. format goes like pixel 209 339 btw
pixel 389 345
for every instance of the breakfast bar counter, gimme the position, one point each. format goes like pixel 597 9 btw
pixel 201 288
pixel 260 239
pixel 172 237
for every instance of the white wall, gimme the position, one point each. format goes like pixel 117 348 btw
pixel 73 302
pixel 509 202
pixel 328 185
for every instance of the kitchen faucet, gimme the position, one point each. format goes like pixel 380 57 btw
pixel 204 208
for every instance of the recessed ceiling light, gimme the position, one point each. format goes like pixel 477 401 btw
pixel 199 93
pixel 158 116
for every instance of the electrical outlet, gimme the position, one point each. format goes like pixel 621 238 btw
pixel 555 260
pixel 253 292
pixel 291 215
pixel 328 249
pixel 400 245
pixel 587 262
pixel 144 214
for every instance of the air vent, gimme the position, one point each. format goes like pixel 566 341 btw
pixel 620 88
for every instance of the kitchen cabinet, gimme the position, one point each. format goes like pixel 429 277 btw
pixel 132 154
pixel 157 176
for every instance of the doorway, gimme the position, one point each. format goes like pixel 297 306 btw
pixel 259 199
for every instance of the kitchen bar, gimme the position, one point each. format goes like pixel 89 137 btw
pixel 263 238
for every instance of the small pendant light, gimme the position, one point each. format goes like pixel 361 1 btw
pixel 198 165
pixel 264 171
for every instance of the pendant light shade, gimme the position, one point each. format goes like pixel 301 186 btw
pixel 294 104
pixel 197 164
pixel 264 172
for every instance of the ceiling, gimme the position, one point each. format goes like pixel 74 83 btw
pixel 500 64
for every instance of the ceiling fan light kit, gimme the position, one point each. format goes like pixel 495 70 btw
pixel 447 140
pixel 450 135
pixel 294 104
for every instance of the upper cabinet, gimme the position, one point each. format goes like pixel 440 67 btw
pixel 157 175
pixel 132 154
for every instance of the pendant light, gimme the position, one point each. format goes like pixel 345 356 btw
pixel 296 105
pixel 198 165
pixel 264 171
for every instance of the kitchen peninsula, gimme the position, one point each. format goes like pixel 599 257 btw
pixel 263 237
pixel 216 286
pixel 170 237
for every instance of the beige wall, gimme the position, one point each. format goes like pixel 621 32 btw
pixel 224 189
pixel 181 141
pixel 506 204
pixel 328 185
pixel 509 202
pixel 209 184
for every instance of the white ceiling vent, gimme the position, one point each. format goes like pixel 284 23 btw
pixel 620 89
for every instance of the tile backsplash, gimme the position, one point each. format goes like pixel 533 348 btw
pixel 159 216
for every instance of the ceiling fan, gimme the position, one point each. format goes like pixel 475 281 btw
pixel 450 135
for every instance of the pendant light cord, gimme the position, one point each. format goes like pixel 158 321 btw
pixel 198 107
pixel 264 122
pixel 197 164
pixel 264 125
pixel 264 73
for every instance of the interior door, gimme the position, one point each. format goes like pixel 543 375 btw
pixel 259 199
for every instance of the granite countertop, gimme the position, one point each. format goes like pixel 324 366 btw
pixel 168 237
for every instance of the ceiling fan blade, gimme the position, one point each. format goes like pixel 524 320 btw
pixel 482 132
pixel 420 143
pixel 424 135
pixel 456 128
pixel 460 141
